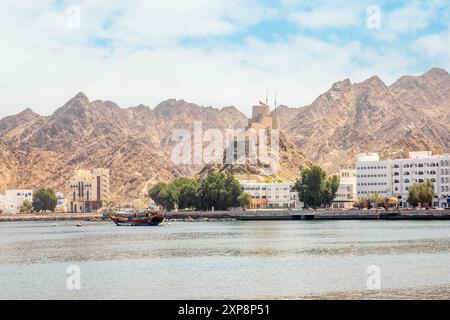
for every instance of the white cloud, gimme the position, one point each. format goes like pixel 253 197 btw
pixel 44 63
pixel 299 68
pixel 327 17
pixel 409 19
pixel 433 45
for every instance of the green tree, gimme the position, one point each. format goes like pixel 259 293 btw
pixel 164 195
pixel 215 190
pixel 189 193
pixel 310 186
pixel 245 200
pixel 44 200
pixel 330 190
pixel 234 190
pixel 421 193
pixel 27 206
pixel 220 191
pixel 315 189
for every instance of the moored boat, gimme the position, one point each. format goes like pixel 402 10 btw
pixel 138 218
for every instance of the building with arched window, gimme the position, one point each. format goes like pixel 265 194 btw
pixel 394 178
pixel 89 190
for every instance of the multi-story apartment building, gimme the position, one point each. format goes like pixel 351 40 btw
pixel 373 176
pixel 272 195
pixel 394 178
pixel 346 194
pixel 13 200
pixel 89 190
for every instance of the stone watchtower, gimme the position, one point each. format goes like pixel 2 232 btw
pixel 259 112
pixel 261 117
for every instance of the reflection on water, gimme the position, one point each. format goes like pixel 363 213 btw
pixel 225 260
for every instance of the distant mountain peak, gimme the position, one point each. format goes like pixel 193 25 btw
pixel 28 111
pixel 81 97
pixel 78 102
pixel 171 103
pixel 437 72
pixel 229 108
pixel 433 75
pixel 341 85
pixel 374 81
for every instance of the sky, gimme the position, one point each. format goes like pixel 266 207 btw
pixel 210 52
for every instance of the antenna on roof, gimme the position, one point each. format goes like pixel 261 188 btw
pixel 267 97
pixel 275 105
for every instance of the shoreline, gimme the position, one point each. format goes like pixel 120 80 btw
pixel 245 216
pixel 88 217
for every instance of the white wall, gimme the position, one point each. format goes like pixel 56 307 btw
pixel 14 199
pixel 373 177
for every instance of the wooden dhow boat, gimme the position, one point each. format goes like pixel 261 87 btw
pixel 138 217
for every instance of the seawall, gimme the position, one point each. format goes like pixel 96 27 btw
pixel 312 215
pixel 248 216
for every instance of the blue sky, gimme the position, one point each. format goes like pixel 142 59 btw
pixel 211 52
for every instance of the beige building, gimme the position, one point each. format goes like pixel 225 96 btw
pixel 89 190
pixel 260 142
pixel 262 118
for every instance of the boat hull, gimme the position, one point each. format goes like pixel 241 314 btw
pixel 153 220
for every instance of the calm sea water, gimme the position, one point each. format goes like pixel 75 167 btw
pixel 225 260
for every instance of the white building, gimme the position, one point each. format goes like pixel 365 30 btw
pixel 394 178
pixel 14 199
pixel 272 195
pixel 61 204
pixel 373 176
pixel 346 194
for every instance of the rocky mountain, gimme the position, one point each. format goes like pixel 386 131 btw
pixel 135 143
pixel 410 115
pixel 8 167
